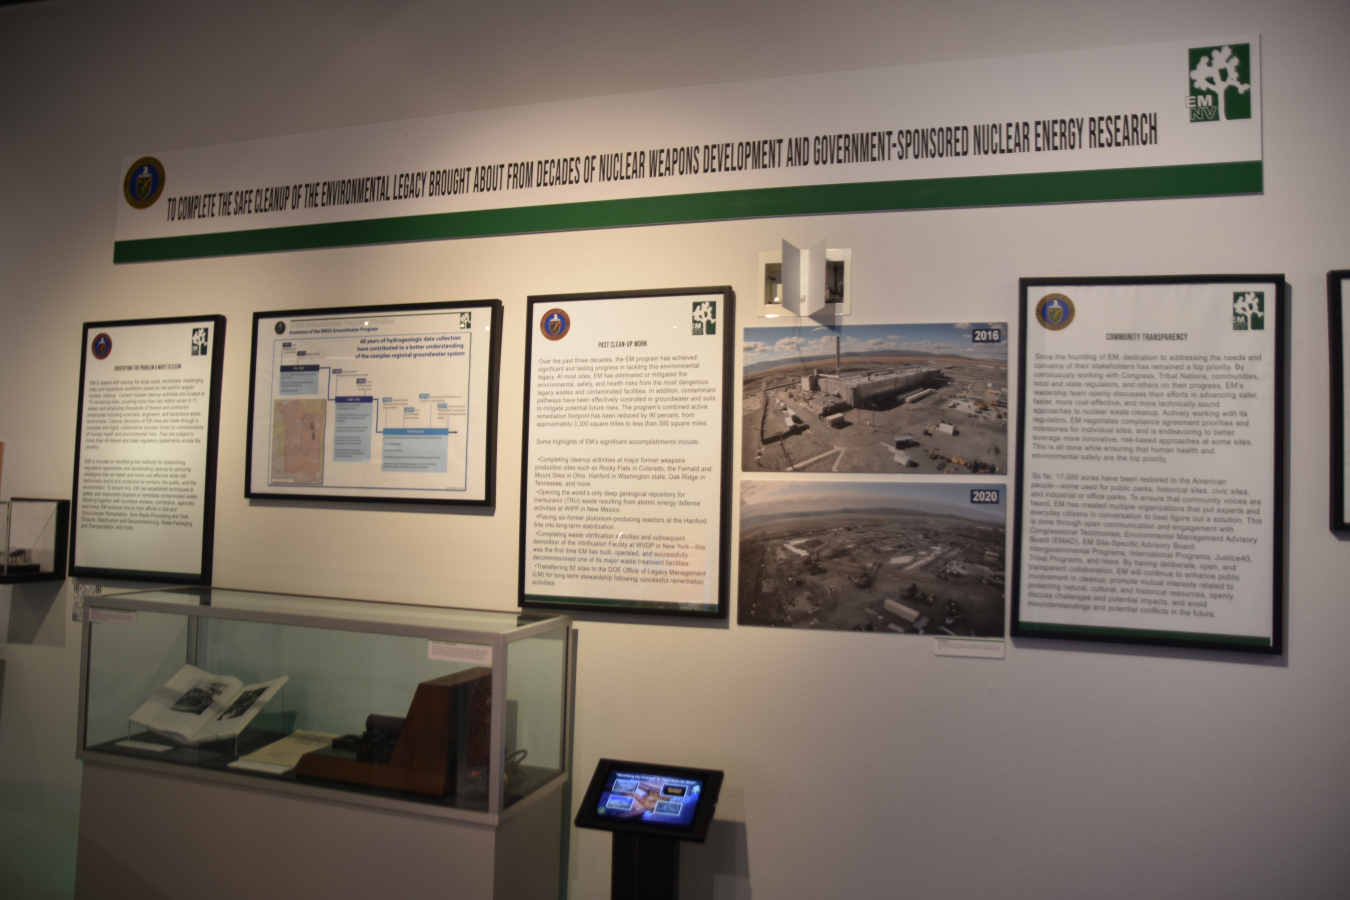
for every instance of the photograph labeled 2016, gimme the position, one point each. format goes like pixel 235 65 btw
pixel 920 399
pixel 906 557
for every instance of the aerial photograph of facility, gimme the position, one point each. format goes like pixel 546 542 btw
pixel 895 557
pixel 930 399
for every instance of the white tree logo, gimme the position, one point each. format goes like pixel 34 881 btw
pixel 1249 311
pixel 1206 75
pixel 705 317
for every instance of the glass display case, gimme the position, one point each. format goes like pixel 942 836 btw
pixel 36 534
pixel 459 713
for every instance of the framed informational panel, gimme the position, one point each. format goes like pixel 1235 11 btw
pixel 1150 476
pixel 1338 288
pixel 626 481
pixel 378 403
pixel 144 494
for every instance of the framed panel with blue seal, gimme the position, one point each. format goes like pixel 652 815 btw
pixel 383 404
pixel 1150 482
pixel 143 501
pixel 626 481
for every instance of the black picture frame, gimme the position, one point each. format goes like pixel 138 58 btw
pixel 1020 629
pixel 1336 319
pixel 212 458
pixel 697 831
pixel 489 498
pixel 728 329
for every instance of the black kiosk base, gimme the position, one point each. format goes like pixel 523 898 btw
pixel 650 809
pixel 644 867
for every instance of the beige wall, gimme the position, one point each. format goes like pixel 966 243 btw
pixel 857 765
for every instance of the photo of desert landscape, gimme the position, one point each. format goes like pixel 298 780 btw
pixel 876 399
pixel 897 556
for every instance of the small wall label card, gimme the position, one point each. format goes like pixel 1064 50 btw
pixel 1338 330
pixel 144 493
pixel 379 403
pixel 626 482
pixel 1150 474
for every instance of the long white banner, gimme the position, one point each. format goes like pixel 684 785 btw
pixel 1159 120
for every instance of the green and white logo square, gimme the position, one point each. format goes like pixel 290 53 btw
pixel 465 321
pixel 1221 83
pixel 1249 310
pixel 201 341
pixel 705 317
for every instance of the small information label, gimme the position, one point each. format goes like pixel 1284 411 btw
pixel 944 646
pixel 112 616
pixel 448 651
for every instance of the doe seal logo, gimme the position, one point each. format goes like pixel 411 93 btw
pixel 555 324
pixel 1055 311
pixel 101 346
pixel 144 182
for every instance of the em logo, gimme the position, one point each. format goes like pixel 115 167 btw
pixel 1249 310
pixel 1220 83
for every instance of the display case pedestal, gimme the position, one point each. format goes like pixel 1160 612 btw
pixel 151 833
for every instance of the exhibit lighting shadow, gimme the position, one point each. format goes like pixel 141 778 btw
pixel 645 618
pixel 366 506
pixel 1111 648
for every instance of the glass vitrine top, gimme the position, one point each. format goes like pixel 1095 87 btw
pixel 195 601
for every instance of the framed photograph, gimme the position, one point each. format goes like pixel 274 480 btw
pixel 375 404
pixel 143 502
pixel 890 557
pixel 626 477
pixel 1150 479
pixel 915 399
pixel 1338 286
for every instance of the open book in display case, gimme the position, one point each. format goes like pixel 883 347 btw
pixel 457 713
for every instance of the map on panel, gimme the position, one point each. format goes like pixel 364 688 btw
pixel 297 441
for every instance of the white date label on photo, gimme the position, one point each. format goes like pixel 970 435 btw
pixel 449 651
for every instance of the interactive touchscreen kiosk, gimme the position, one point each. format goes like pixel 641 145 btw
pixel 650 808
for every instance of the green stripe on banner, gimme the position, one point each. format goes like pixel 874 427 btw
pixel 1244 640
pixel 872 196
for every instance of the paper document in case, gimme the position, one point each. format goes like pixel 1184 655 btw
pixel 287 751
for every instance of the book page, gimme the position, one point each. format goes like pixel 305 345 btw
pixel 235 717
pixel 167 695
pixel 189 701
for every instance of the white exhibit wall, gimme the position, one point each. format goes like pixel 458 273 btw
pixel 858 765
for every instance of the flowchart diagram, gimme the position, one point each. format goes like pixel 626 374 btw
pixel 371 410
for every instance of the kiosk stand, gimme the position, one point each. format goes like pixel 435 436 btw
pixel 650 809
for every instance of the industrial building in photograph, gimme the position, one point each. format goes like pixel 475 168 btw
pixel 874 399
